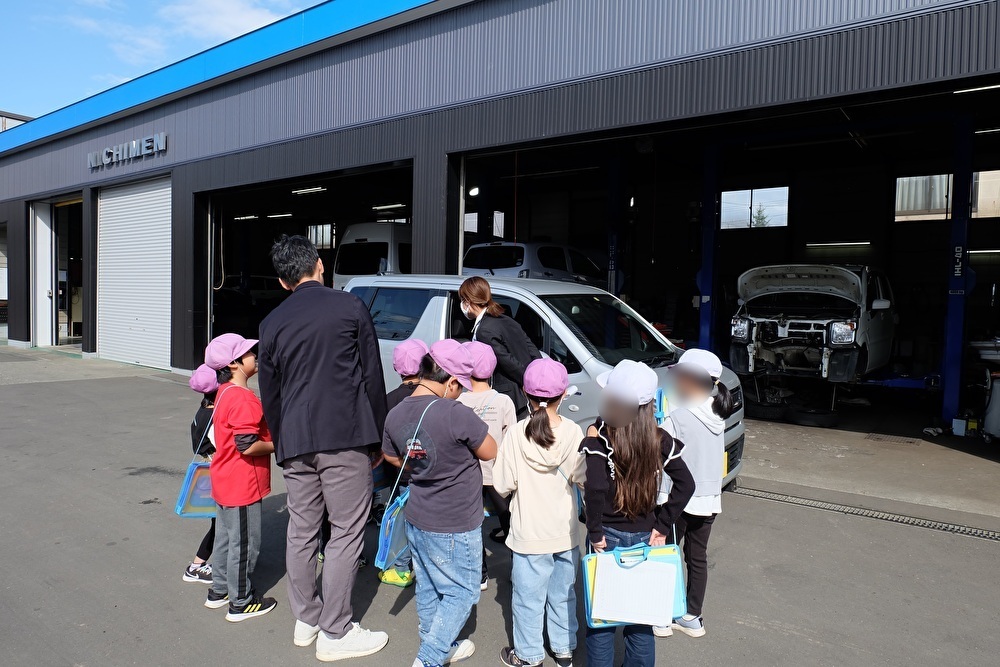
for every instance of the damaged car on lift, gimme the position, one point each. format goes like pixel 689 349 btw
pixel 828 322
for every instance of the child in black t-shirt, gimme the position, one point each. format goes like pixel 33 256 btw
pixel 406 358
pixel 203 381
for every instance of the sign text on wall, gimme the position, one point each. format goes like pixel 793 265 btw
pixel 128 151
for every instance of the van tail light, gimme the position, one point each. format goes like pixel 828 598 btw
pixel 523 273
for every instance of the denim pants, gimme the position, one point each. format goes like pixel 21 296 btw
pixel 544 587
pixel 237 543
pixel 640 645
pixel 447 570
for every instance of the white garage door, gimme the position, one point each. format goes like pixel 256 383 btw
pixel 133 273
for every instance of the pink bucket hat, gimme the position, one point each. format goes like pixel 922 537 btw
pixel 204 380
pixel 454 359
pixel 227 348
pixel 484 360
pixel 406 356
pixel 545 378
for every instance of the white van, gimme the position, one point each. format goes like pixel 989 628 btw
pixel 372 248
pixel 582 327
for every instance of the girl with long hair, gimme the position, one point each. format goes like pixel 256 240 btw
pixel 627 457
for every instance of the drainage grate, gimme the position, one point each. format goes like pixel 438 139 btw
pixel 898 439
pixel 954 528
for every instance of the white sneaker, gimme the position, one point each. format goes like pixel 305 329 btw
pixel 357 643
pixel 663 631
pixel 305 634
pixel 460 650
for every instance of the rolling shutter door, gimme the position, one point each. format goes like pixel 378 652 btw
pixel 133 273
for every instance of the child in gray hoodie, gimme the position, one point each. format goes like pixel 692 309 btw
pixel 698 407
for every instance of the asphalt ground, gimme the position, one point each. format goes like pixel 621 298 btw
pixel 93 553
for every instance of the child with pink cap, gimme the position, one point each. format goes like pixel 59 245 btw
pixel 539 463
pixel 205 382
pixel 406 358
pixel 441 442
pixel 241 478
pixel 499 413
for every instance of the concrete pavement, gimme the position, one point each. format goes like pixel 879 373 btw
pixel 91 468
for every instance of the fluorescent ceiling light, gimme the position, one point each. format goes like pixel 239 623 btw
pixel 280 215
pixel 388 207
pixel 990 131
pixel 309 191
pixel 984 252
pixel 474 192
pixel 976 90
pixel 846 244
pixel 246 217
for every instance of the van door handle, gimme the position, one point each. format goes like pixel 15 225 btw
pixel 573 408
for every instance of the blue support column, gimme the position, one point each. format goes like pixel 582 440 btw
pixel 709 228
pixel 958 271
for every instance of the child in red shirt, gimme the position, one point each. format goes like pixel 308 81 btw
pixel 241 478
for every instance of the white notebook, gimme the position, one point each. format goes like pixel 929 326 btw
pixel 642 594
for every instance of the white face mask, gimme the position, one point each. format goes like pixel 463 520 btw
pixel 466 310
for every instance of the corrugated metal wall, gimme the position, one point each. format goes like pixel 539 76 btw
pixel 495 48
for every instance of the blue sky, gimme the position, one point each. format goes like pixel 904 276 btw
pixel 55 52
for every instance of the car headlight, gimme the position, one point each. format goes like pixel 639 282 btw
pixel 741 329
pixel 842 333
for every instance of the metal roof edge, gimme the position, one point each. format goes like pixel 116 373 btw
pixel 269 46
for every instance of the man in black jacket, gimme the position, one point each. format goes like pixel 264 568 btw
pixel 324 399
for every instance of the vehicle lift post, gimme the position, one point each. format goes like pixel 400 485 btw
pixel 958 270
pixel 709 227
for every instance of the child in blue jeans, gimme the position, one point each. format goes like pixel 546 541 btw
pixel 540 465
pixel 441 442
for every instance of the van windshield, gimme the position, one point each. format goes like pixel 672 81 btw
pixel 361 259
pixel 494 257
pixel 611 330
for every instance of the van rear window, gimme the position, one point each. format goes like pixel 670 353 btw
pixel 361 259
pixel 494 257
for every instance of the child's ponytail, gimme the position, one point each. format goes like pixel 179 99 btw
pixel 722 405
pixel 538 429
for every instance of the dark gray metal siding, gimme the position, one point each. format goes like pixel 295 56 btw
pixel 500 47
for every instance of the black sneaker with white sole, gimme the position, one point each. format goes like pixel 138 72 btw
pixel 198 574
pixel 563 659
pixel 257 606
pixel 216 601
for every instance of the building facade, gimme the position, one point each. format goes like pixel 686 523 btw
pixel 130 217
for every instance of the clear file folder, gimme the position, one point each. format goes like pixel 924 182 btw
pixel 637 585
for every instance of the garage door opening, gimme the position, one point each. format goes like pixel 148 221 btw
pixel 369 210
pixel 616 214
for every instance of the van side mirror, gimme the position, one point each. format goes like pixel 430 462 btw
pixel 881 304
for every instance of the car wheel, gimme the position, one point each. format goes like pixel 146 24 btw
pixel 767 411
pixel 818 417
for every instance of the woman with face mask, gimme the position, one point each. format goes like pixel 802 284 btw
pixel 698 406
pixel 512 347
pixel 627 456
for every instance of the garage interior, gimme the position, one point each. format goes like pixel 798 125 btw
pixel 865 183
pixel 247 220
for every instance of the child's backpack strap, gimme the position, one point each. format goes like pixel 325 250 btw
pixel 409 447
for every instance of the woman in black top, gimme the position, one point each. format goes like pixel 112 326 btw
pixel 512 347
pixel 627 457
